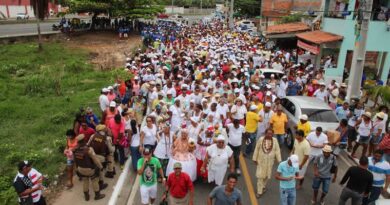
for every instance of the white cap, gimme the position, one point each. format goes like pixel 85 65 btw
pixel 262 76
pixel 322 83
pixel 136 78
pixel 110 87
pixel 112 104
pixel 272 75
pixel 268 104
pixel 105 90
pixel 169 92
pixel 220 138
pixel 184 86
pixel 268 86
pixel 204 81
pixel 268 93
pixel 285 77
pixel 303 117
pixel 294 160
pixel 253 107
pixel 236 90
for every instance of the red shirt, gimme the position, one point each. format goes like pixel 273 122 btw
pixel 87 133
pixel 116 129
pixel 179 186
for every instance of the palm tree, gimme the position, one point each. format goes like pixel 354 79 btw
pixel 382 92
pixel 40 8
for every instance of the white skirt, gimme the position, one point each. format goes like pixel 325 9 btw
pixel 188 167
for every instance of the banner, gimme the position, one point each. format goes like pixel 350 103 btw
pixel 311 48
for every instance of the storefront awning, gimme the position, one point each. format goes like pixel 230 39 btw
pixel 319 37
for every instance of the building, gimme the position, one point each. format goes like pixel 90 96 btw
pixel 273 10
pixel 11 8
pixel 338 20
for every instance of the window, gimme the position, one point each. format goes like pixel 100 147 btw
pixel 326 116
pixel 289 106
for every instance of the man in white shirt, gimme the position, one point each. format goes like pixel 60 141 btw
pixel 222 109
pixel 321 93
pixel 282 88
pixel 235 132
pixel 317 140
pixel 103 100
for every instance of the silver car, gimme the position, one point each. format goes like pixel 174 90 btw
pixel 319 115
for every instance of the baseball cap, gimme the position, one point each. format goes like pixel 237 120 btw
pixel 303 117
pixel 294 160
pixel 253 107
pixel 147 151
pixel 177 165
pixel 268 104
pixel 112 104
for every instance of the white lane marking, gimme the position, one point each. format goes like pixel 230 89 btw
pixel 120 183
pixel 133 191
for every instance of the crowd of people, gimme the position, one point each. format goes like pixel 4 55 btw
pixel 198 101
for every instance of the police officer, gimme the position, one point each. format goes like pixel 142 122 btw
pixel 88 167
pixel 102 145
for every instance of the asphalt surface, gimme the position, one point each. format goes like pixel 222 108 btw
pixel 271 197
pixel 31 28
pixel 27 28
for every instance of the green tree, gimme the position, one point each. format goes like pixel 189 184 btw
pixel 123 8
pixel 40 8
pixel 248 8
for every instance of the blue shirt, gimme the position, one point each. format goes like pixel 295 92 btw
pixel 380 170
pixel 341 113
pixel 286 170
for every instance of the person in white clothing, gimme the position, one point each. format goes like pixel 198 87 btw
pixel 176 116
pixel 148 135
pixel 104 103
pixel 282 87
pixel 364 128
pixel 217 158
pixel 235 133
pixel 321 93
pixel 317 141
pixel 238 110
pixel 163 149
pixel 265 114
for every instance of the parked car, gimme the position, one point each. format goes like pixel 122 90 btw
pixel 162 16
pixel 319 114
pixel 247 23
pixel 268 72
pixel 22 16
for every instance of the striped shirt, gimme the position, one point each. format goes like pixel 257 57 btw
pixel 34 175
pixel 379 170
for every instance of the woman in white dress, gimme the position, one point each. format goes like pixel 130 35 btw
pixel 163 149
pixel 218 156
pixel 181 152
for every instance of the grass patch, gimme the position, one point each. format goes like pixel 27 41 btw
pixel 39 96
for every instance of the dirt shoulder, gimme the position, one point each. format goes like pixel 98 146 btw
pixel 106 50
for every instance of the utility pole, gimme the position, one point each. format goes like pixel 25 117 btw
pixel 231 20
pixel 201 6
pixel 172 7
pixel 359 52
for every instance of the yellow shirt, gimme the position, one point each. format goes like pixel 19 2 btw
pixel 301 149
pixel 259 106
pixel 278 123
pixel 251 122
pixel 305 127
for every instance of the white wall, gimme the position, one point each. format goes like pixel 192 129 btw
pixel 176 10
pixel 3 10
pixel 14 10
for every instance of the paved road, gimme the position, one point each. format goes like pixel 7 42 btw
pixel 28 28
pixel 271 197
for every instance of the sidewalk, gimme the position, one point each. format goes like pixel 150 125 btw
pixel 75 195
